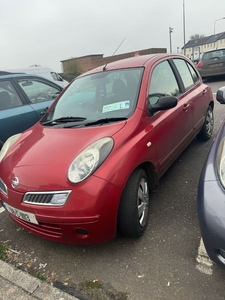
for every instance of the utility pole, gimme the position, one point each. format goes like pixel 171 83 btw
pixel 170 32
pixel 184 26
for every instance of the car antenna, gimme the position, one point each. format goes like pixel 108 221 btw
pixel 104 68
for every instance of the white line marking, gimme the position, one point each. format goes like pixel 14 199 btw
pixel 204 262
pixel 1 209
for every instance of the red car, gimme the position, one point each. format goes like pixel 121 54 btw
pixel 88 167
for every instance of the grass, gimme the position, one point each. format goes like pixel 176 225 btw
pixel 100 292
pixel 42 277
pixel 3 250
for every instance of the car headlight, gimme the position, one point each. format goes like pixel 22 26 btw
pixel 220 161
pixel 89 160
pixel 8 144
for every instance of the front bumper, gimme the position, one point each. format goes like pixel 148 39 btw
pixel 88 217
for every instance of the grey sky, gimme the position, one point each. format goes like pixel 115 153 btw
pixel 45 32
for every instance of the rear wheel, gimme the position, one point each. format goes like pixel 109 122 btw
pixel 207 128
pixel 134 205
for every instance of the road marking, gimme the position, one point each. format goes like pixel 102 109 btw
pixel 204 264
pixel 2 209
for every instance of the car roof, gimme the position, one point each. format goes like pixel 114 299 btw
pixel 132 62
pixel 5 75
pixel 216 49
pixel 8 75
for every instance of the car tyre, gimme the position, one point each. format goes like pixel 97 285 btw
pixel 134 205
pixel 207 128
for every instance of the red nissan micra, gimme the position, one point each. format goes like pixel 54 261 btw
pixel 88 167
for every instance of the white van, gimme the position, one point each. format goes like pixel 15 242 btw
pixel 42 71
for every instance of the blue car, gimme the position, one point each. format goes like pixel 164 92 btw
pixel 23 101
pixel 211 196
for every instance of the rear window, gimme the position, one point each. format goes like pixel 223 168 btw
pixel 214 54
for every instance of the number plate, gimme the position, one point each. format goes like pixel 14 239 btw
pixel 29 217
pixel 216 65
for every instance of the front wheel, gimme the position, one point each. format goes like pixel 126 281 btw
pixel 207 128
pixel 134 205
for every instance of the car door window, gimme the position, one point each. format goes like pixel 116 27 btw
pixel 8 96
pixel 188 77
pixel 162 83
pixel 193 73
pixel 38 91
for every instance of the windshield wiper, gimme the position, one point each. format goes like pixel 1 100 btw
pixel 106 120
pixel 63 120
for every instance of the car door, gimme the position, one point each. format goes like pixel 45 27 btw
pixel 194 91
pixel 39 93
pixel 172 128
pixel 15 114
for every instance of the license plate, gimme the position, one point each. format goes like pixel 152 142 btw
pixel 216 65
pixel 29 217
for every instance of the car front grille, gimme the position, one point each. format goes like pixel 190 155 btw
pixel 3 187
pixel 37 198
pixel 44 198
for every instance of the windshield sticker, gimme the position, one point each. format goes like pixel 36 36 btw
pixel 116 106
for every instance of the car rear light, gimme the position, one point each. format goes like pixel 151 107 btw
pixel 200 64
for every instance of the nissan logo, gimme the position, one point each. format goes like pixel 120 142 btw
pixel 15 182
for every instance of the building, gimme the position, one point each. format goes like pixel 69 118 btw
pixel 89 62
pixel 194 49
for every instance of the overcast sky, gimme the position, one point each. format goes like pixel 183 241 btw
pixel 45 32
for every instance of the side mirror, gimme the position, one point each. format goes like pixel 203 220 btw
pixel 163 103
pixel 220 95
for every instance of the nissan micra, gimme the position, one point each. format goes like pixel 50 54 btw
pixel 88 167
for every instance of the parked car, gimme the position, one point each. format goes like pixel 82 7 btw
pixel 211 196
pixel 212 63
pixel 23 101
pixel 88 167
pixel 43 72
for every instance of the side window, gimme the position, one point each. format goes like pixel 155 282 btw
pixel 8 96
pixel 56 76
pixel 193 73
pixel 185 73
pixel 162 83
pixel 38 91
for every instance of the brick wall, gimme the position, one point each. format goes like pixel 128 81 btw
pixel 89 62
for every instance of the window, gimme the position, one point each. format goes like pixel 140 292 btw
pixel 101 95
pixel 187 73
pixel 162 83
pixel 38 91
pixel 8 96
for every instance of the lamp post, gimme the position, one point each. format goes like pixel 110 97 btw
pixel 215 24
pixel 170 31
pixel 184 25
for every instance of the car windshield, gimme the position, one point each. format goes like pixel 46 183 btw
pixel 110 95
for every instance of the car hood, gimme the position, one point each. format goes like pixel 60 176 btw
pixel 43 155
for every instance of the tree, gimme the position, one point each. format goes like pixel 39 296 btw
pixel 196 36
pixel 73 68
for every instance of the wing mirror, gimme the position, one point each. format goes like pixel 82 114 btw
pixel 163 103
pixel 220 95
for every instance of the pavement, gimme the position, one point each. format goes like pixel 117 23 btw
pixel 19 285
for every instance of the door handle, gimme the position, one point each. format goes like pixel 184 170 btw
pixel 204 92
pixel 186 106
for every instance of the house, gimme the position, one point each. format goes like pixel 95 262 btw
pixel 194 49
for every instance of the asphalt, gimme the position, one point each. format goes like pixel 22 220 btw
pixel 19 285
